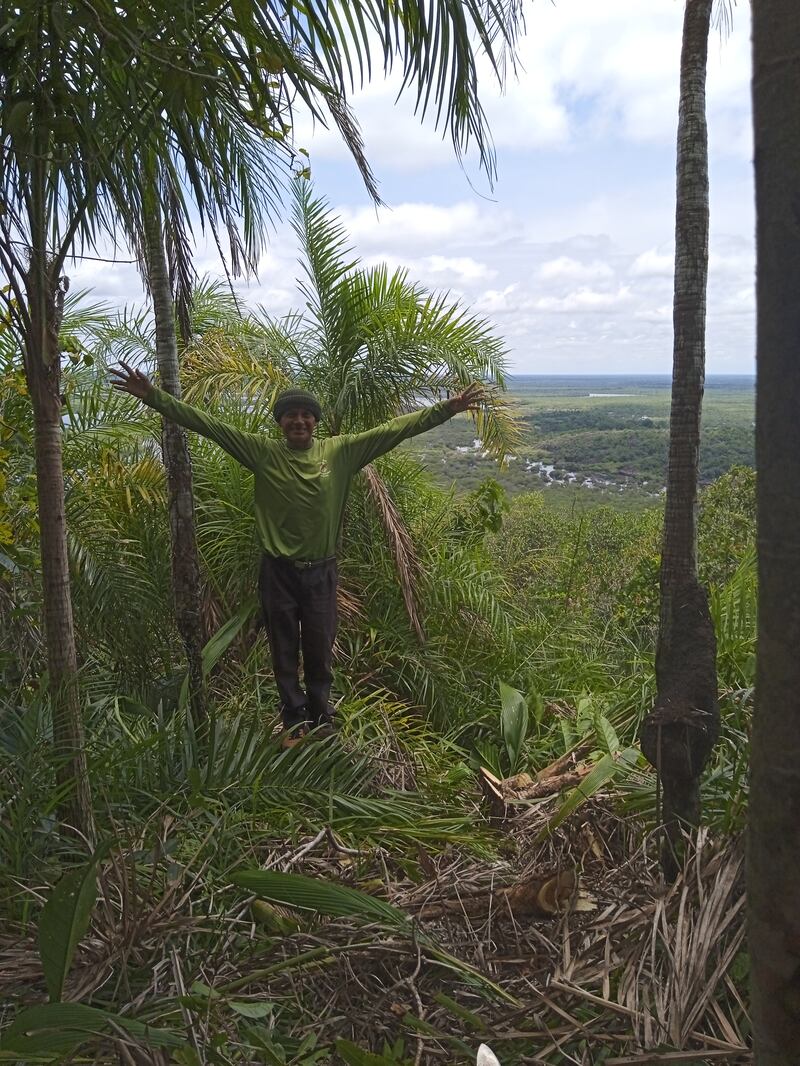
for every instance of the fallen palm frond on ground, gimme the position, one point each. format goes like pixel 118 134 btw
pixel 501 795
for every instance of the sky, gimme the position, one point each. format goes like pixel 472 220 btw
pixel 569 254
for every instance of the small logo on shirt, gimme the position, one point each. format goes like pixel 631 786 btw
pixel 324 469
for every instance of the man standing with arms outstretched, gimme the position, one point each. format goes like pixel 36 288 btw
pixel 301 488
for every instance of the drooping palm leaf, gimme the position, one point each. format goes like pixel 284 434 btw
pixel 321 897
pixel 400 543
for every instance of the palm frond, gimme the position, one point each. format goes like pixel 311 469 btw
pixel 218 367
pixel 400 543
pixel 130 336
pixel 325 259
pixel 215 306
pixel 178 249
pixel 377 343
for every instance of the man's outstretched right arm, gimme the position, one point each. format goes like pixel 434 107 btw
pixel 245 447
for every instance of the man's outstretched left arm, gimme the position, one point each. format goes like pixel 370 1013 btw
pixel 362 448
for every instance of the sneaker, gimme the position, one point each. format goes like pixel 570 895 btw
pixel 326 727
pixel 294 736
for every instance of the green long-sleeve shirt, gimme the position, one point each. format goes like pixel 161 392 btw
pixel 300 494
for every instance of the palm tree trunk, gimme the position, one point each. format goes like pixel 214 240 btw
pixel 43 374
pixel 178 464
pixel 773 868
pixel 678 735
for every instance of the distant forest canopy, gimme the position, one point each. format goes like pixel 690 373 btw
pixel 597 438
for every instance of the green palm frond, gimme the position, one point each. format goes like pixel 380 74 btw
pixel 320 897
pixel 433 47
pixel 99 417
pixel 325 258
pixel 225 528
pixel 246 372
pixel 83 317
pixel 377 343
pixel 734 609
pixel 130 335
pixel 216 307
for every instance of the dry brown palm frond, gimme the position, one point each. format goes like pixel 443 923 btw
pixel 400 543
pixel 696 931
pixel 647 968
pixel 349 604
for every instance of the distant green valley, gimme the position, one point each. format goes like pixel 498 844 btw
pixel 596 439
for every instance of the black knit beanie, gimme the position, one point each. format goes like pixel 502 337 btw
pixel 290 398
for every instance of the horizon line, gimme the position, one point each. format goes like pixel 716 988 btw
pixel 624 374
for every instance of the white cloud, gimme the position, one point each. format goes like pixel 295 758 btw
pixel 415 225
pixel 653 264
pixel 731 263
pixel 463 266
pixel 570 269
pixel 586 300
pixel 659 315
pixel 497 301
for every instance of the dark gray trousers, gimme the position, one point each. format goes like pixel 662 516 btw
pixel 299 605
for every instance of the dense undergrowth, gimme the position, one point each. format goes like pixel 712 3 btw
pixel 539 635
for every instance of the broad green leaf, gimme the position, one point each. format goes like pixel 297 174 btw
pixel 323 897
pixel 568 733
pixel 514 721
pixel 220 642
pixel 585 714
pixel 536 701
pixel 64 921
pixel 203 991
pixel 606 734
pixel 56 1028
pixel 251 1010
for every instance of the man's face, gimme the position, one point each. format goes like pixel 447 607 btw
pixel 298 425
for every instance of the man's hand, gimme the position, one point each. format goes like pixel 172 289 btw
pixel 129 380
pixel 469 399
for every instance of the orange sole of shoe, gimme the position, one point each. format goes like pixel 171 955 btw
pixel 291 742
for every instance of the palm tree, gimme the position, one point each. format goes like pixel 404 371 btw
pixel 72 105
pixel 773 875
pixel 83 90
pixel 679 733
pixel 370 345
pixel 177 463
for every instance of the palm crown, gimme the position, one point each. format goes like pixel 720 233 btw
pixel 369 344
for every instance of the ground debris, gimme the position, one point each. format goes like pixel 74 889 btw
pixel 502 794
pixel 497 953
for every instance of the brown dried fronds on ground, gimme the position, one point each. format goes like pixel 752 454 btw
pixel 647 968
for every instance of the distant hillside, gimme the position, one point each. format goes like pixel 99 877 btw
pixel 594 438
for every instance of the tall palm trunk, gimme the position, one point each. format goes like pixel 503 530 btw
pixel 43 374
pixel 678 735
pixel 178 464
pixel 773 873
